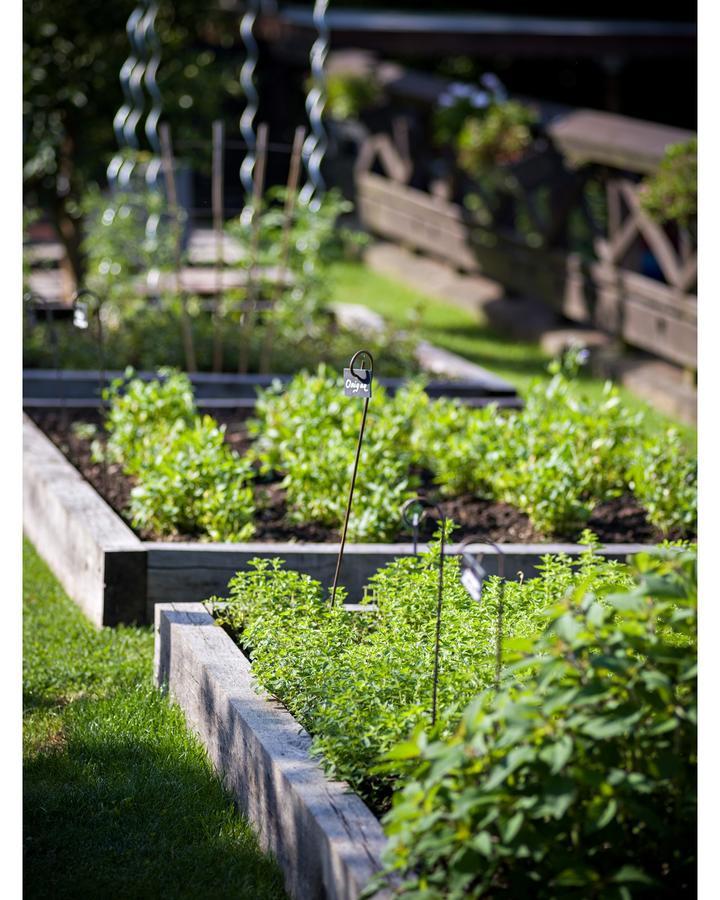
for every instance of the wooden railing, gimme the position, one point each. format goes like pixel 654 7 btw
pixel 621 271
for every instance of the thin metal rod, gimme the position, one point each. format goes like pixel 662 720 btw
pixel 289 210
pixel 501 601
pixel 349 503
pixel 438 622
pixel 251 284
pixel 498 636
pixel 169 172
pixel 100 346
pixel 218 134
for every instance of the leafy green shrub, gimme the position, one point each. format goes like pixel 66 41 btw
pixel 116 247
pixel 664 479
pixel 485 128
pixel 556 458
pixel 564 454
pixel 195 484
pixel 308 433
pixel 316 238
pixel 142 412
pixel 578 779
pixel 189 480
pixel 503 135
pixel 670 193
pixel 360 682
pixel 348 95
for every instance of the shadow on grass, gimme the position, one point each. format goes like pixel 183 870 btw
pixel 126 805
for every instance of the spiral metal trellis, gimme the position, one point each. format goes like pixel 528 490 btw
pixel 315 144
pixel 154 167
pixel 123 114
pixel 135 80
pixel 247 81
pixel 152 42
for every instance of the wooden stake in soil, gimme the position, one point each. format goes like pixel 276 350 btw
pixel 168 165
pixel 357 383
pixel 290 200
pixel 248 318
pixel 218 137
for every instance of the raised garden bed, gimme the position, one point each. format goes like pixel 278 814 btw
pixel 114 576
pixel 326 841
pixel 361 686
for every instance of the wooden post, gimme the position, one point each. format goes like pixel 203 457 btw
pixel 248 318
pixel 290 200
pixel 168 165
pixel 218 136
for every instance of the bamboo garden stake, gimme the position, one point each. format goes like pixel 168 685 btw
pixel 168 165
pixel 288 212
pixel 218 138
pixel 248 318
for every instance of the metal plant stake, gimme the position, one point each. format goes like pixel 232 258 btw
pixel 473 577
pixel 81 319
pixel 414 511
pixel 358 383
pixel 30 298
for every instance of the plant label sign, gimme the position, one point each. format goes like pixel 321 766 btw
pixel 80 315
pixel 358 383
pixel 472 581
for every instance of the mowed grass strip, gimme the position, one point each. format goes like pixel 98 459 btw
pixel 119 799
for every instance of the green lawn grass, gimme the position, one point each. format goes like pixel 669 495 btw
pixel 458 330
pixel 119 800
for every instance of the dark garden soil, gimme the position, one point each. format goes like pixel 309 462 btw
pixel 621 520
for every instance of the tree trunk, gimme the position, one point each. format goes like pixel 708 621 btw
pixel 68 227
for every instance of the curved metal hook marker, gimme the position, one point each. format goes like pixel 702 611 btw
pixel 316 143
pixel 364 354
pixel 247 81
pixel 476 586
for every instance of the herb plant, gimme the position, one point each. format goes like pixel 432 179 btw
pixel 348 94
pixel 577 779
pixel 556 459
pixel 188 480
pixel 308 433
pixel 485 128
pixel 361 681
pixel 670 193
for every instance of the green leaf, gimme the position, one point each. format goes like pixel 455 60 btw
pixel 632 874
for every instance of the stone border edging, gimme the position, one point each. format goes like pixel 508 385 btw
pixel 98 560
pixel 326 841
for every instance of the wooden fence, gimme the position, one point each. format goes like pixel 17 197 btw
pixel 634 278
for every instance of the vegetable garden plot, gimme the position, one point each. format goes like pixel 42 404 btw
pixel 556 459
pixel 361 685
